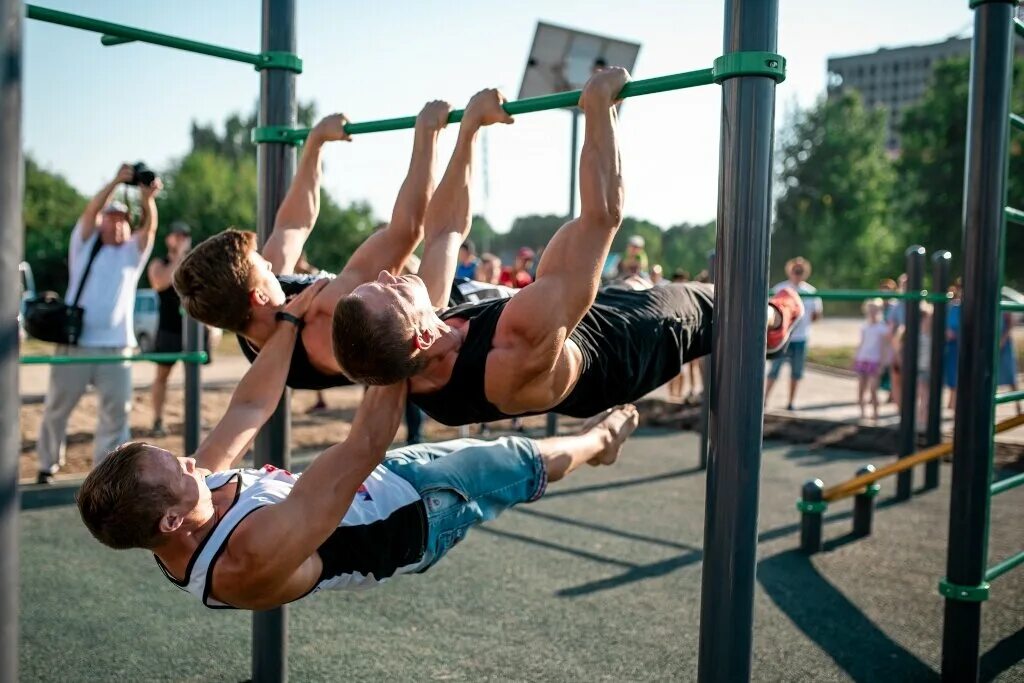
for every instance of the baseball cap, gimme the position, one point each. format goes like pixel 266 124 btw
pixel 526 253
pixel 180 228
pixel 636 241
pixel 116 207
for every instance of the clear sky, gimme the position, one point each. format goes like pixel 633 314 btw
pixel 87 108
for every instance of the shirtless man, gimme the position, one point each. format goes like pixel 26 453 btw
pixel 558 345
pixel 258 539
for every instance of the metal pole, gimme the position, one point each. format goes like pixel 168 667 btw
pixel 984 201
pixel 193 334
pixel 941 261
pixel 551 426
pixel 812 507
pixel 908 390
pixel 11 236
pixel 276 164
pixel 864 505
pixel 706 370
pixel 740 319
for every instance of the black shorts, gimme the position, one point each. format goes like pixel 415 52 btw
pixel 172 342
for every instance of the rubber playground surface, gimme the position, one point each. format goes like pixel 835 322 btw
pixel 600 580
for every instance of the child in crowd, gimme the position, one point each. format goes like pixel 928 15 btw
pixel 872 355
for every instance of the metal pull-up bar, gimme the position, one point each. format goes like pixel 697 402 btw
pixel 117 34
pixel 727 66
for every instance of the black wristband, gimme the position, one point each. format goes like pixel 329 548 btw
pixel 298 322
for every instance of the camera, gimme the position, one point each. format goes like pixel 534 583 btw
pixel 142 175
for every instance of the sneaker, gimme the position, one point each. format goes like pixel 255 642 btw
pixel 158 431
pixel 44 478
pixel 788 304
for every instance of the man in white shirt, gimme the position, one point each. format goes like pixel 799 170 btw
pixel 108 298
pixel 797 271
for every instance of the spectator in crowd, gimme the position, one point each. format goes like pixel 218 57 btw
pixel 658 276
pixel 489 270
pixel 634 261
pixel 468 262
pixel 103 238
pixel 924 365
pixel 703 276
pixel 952 350
pixel 169 333
pixel 1007 356
pixel 518 275
pixel 681 275
pixel 897 320
pixel 797 271
pixel 887 285
pixel 872 352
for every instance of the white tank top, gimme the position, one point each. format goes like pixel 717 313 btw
pixel 382 534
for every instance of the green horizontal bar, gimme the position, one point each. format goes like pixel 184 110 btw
pixel 1017 121
pixel 1004 485
pixel 129 33
pixel 995 571
pixel 1014 215
pixel 1018 26
pixel 199 357
pixel 1012 306
pixel 110 41
pixel 645 86
pixel 1010 397
pixel 863 294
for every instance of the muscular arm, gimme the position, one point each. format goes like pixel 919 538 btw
pixel 256 395
pixel 530 337
pixel 146 232
pixel 286 535
pixel 89 218
pixel 301 206
pixel 389 248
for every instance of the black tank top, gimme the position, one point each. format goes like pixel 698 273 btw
pixel 170 308
pixel 631 343
pixel 301 374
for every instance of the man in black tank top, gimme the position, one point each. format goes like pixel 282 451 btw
pixel 559 344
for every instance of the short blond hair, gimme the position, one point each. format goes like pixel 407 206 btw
pixel 215 278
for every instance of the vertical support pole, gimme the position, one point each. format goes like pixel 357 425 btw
pixel 941 261
pixel 706 371
pixel 908 392
pixel 864 505
pixel 11 235
pixel 984 202
pixel 194 334
pixel 551 425
pixel 811 509
pixel 740 319
pixel 276 165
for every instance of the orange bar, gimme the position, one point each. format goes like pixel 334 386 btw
pixel 854 486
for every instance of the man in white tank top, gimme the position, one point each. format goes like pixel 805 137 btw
pixel 257 539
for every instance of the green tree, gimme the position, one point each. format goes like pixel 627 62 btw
pixel 929 191
pixel 482 234
pixel 687 247
pixel 51 207
pixel 836 181
pixel 235 143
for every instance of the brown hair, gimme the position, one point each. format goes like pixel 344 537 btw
pixel 213 280
pixel 120 509
pixel 369 350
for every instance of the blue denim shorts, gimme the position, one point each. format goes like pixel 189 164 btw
pixel 796 354
pixel 468 481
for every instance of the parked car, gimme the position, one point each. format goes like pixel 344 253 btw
pixel 147 318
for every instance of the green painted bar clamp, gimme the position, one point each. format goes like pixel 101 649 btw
pixel 872 491
pixel 737 64
pixel 279 134
pixel 964 593
pixel 279 60
pixel 812 507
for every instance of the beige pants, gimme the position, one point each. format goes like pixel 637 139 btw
pixel 113 383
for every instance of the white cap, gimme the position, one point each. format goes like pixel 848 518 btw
pixel 116 207
pixel 636 241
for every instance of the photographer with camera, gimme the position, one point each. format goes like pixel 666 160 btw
pixel 105 260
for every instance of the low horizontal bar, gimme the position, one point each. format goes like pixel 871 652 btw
pixel 1007 484
pixel 864 294
pixel 646 86
pixel 1014 215
pixel 995 571
pixel 200 357
pixel 1018 26
pixel 1012 306
pixel 854 486
pixel 130 33
pixel 1010 397
pixel 1017 121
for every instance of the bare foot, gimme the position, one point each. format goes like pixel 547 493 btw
pixel 616 424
